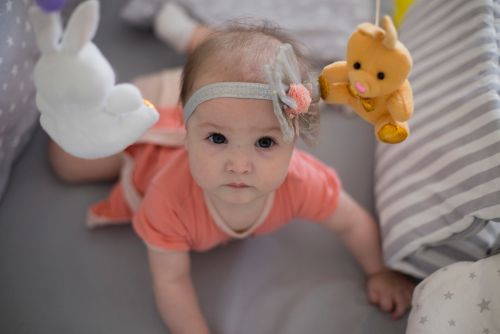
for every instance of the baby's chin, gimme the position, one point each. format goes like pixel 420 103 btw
pixel 238 195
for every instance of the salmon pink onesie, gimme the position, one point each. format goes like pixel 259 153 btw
pixel 169 210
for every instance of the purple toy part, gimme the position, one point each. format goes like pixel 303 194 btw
pixel 51 5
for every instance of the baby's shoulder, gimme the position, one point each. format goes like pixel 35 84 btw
pixel 307 173
pixel 173 181
pixel 303 166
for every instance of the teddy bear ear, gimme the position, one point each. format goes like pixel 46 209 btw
pixel 369 29
pixel 391 36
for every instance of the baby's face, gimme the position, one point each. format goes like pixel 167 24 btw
pixel 236 149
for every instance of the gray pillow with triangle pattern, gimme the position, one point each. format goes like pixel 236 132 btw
pixel 18 54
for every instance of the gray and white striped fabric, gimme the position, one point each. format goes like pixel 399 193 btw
pixel 438 193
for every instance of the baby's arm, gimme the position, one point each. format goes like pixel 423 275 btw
pixel 174 291
pixel 390 290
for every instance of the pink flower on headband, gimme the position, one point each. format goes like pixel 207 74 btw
pixel 302 97
pixel 292 96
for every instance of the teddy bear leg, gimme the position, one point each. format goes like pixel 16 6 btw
pixel 390 131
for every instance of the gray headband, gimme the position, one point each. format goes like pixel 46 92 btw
pixel 283 77
pixel 241 90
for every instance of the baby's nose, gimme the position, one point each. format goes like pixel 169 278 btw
pixel 239 162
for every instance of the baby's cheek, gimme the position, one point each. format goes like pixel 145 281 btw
pixel 199 171
pixel 276 176
pixel 202 181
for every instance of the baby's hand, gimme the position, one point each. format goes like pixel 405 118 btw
pixel 391 291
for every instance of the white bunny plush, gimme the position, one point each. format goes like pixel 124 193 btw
pixel 82 109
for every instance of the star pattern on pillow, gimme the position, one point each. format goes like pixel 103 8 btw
pixel 462 298
pixel 17 58
pixel 18 54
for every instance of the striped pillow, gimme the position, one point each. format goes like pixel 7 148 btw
pixel 438 193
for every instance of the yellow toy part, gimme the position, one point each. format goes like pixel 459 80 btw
pixel 373 80
pixel 400 9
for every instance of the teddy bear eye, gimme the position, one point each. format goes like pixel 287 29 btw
pixel 357 65
pixel 380 75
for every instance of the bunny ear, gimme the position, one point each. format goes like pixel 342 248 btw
pixel 47 28
pixel 81 27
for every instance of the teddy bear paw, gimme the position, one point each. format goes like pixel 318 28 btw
pixel 323 87
pixel 392 133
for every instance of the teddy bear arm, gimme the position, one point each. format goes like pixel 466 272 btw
pixel 335 72
pixel 400 103
pixel 333 83
pixel 338 94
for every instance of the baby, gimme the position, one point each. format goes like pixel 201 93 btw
pixel 224 167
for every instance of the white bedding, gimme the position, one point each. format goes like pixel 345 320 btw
pixel 323 26
pixel 462 298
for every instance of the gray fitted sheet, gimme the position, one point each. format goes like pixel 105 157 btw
pixel 58 277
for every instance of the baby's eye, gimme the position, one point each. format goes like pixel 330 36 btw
pixel 217 138
pixel 265 142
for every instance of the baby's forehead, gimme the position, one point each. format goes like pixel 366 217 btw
pixel 235 113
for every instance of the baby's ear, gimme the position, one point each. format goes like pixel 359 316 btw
pixel 82 26
pixel 47 28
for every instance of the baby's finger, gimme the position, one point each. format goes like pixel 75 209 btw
pixel 373 296
pixel 401 304
pixel 386 303
pixel 409 295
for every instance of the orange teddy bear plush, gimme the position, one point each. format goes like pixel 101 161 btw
pixel 373 80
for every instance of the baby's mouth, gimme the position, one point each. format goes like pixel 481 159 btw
pixel 237 185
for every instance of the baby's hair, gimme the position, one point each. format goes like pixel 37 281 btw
pixel 237 53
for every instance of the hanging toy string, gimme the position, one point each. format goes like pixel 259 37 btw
pixel 377 11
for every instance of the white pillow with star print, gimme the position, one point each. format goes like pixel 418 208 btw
pixel 462 298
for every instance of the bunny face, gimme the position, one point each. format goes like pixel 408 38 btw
pixel 86 78
pixel 373 68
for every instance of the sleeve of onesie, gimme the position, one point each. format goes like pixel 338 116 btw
pixel 158 225
pixel 316 188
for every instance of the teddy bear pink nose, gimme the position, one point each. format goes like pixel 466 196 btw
pixel 360 88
